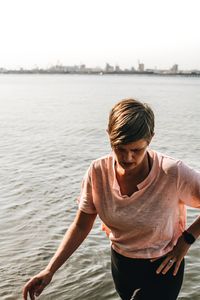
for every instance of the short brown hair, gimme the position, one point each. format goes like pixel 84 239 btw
pixel 129 121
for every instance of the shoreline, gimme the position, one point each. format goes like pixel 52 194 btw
pixel 43 72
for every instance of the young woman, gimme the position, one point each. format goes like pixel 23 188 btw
pixel 140 196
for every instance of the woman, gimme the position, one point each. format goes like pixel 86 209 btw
pixel 140 196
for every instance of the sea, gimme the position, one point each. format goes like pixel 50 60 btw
pixel 51 128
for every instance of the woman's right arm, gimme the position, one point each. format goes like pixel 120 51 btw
pixel 73 238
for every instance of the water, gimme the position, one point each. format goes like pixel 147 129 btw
pixel 52 126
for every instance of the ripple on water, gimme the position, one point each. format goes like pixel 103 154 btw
pixel 47 144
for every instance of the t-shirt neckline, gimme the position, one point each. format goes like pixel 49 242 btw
pixel 142 185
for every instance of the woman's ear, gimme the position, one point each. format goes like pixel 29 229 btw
pixel 152 136
pixel 149 140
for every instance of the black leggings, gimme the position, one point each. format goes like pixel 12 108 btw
pixel 138 277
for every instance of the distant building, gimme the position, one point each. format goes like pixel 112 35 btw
pixel 2 70
pixel 109 68
pixel 117 68
pixel 97 70
pixel 140 67
pixel 82 68
pixel 72 69
pixel 57 68
pixel 174 69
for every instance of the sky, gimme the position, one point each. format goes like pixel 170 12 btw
pixel 42 33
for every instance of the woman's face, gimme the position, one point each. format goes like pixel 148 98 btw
pixel 131 155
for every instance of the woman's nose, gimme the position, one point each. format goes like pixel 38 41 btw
pixel 128 157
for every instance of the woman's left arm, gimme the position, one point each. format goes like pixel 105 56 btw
pixel 177 254
pixel 188 191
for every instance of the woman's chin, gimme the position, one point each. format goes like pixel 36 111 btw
pixel 128 166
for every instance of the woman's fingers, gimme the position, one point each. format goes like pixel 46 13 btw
pixel 168 266
pixel 167 263
pixel 173 258
pixel 31 294
pixel 30 288
pixel 178 263
pixel 40 288
pixel 36 285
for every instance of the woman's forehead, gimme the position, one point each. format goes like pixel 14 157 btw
pixel 134 145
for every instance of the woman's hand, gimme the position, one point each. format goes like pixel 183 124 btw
pixel 74 236
pixel 36 285
pixel 174 257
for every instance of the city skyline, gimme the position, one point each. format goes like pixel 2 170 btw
pixel 91 32
pixel 108 69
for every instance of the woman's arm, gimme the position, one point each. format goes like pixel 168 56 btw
pixel 179 251
pixel 194 228
pixel 188 191
pixel 74 236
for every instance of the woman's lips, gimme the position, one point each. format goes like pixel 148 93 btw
pixel 127 165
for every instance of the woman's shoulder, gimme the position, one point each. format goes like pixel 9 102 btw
pixel 164 157
pixel 174 166
pixel 166 162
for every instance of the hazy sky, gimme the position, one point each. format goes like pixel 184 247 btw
pixel 156 32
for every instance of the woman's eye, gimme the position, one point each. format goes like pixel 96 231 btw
pixel 136 150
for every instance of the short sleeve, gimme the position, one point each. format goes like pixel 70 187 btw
pixel 188 185
pixel 85 199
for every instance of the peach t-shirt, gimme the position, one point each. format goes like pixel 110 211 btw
pixel 148 223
